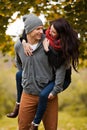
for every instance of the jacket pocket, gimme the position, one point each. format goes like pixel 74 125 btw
pixel 26 81
pixel 41 81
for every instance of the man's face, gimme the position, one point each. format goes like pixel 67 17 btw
pixel 36 34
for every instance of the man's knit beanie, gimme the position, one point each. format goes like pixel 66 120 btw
pixel 31 22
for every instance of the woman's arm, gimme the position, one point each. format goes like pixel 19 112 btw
pixel 46 44
pixel 27 49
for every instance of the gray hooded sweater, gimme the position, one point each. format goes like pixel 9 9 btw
pixel 37 72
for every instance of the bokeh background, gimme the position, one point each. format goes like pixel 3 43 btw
pixel 73 101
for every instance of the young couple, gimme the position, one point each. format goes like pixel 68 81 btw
pixel 44 70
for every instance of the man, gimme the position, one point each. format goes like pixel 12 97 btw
pixel 37 73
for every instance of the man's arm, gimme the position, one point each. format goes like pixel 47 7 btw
pixel 59 80
pixel 18 62
pixel 17 58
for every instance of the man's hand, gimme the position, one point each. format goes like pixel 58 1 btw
pixel 51 96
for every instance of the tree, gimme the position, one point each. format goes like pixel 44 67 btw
pixel 75 11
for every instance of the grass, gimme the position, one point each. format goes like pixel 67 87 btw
pixel 8 124
pixel 66 122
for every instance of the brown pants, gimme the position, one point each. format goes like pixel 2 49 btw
pixel 28 108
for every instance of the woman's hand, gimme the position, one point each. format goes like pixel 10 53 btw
pixel 51 96
pixel 46 44
pixel 27 49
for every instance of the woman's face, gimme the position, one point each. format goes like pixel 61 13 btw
pixel 53 32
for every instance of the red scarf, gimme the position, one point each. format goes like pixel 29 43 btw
pixel 54 43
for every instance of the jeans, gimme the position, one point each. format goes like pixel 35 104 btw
pixel 18 85
pixel 43 99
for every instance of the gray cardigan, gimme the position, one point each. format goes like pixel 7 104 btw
pixel 37 72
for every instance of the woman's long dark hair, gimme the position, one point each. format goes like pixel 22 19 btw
pixel 69 41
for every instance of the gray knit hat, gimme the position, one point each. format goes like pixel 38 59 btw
pixel 25 17
pixel 31 22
